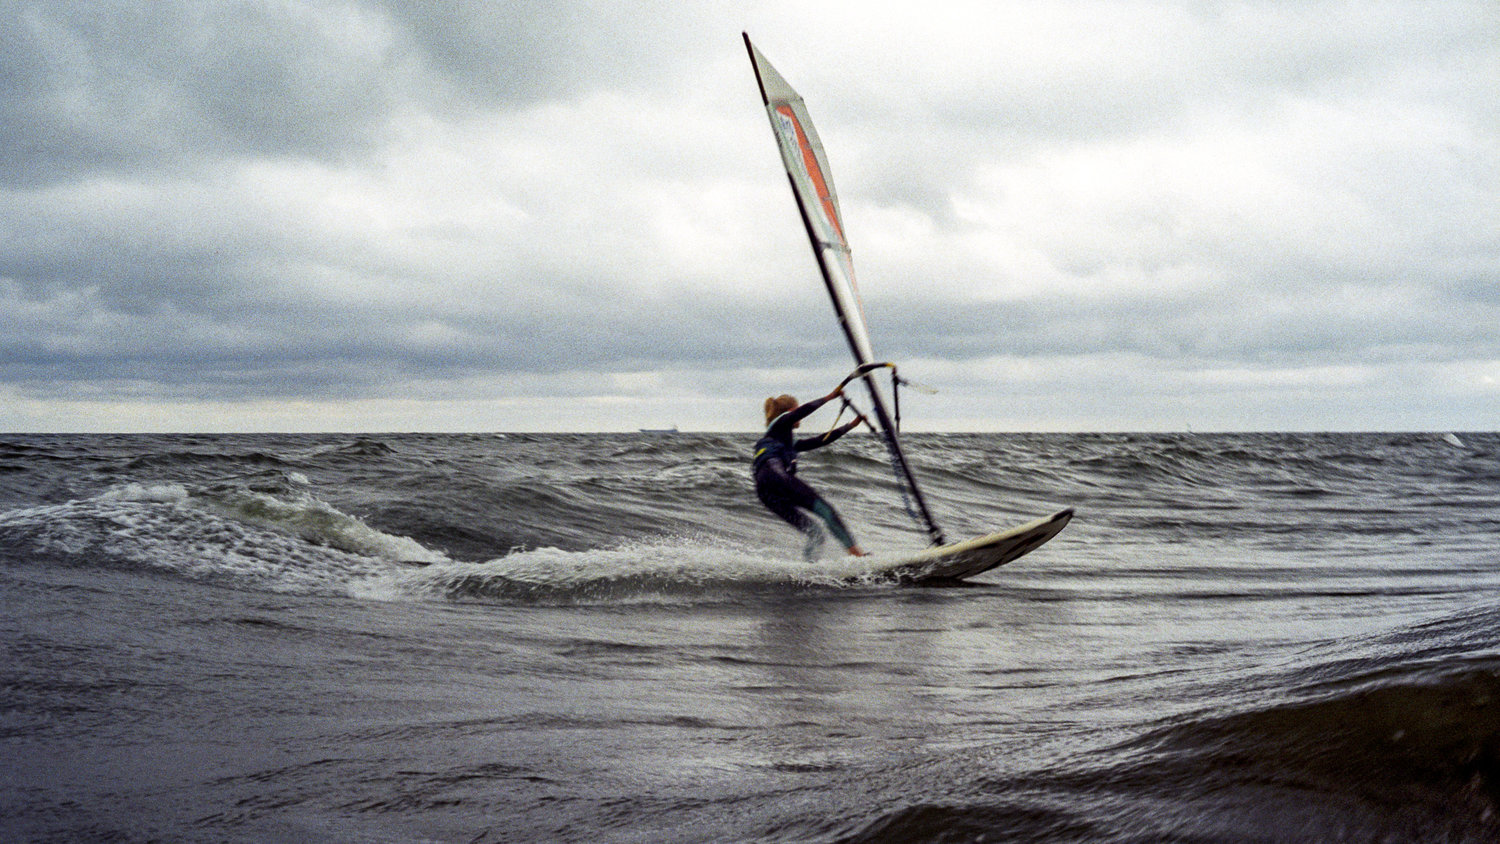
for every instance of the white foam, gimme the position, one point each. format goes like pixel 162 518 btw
pixel 302 544
pixel 127 529
pixel 635 571
pixel 167 493
pixel 245 537
pixel 318 522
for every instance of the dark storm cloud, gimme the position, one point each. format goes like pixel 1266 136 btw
pixel 128 251
pixel 89 86
pixel 338 200
pixel 120 86
pixel 1225 325
pixel 60 341
pixel 519 54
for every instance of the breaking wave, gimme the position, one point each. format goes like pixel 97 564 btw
pixel 250 539
pixel 243 537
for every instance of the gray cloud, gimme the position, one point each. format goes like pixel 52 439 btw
pixel 120 86
pixel 91 86
pixel 340 201
pixel 521 54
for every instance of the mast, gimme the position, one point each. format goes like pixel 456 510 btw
pixel 812 186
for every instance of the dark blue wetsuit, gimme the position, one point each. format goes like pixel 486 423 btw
pixel 780 489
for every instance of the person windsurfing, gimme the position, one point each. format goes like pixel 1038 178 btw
pixel 775 470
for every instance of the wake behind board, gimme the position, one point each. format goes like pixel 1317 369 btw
pixel 976 556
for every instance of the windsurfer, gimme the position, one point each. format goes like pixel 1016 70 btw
pixel 775 470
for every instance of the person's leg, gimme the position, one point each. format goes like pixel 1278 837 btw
pixel 800 495
pixel 781 495
pixel 823 510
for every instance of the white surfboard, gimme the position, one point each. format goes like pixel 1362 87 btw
pixel 976 556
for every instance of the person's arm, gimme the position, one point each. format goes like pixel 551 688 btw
pixel 810 443
pixel 781 427
pixel 806 409
pixel 782 424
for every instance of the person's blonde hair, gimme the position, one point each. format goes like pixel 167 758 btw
pixel 777 405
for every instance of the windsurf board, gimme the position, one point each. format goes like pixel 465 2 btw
pixel 975 556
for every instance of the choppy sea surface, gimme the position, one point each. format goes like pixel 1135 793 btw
pixel 1269 637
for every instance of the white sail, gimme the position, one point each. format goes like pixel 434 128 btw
pixel 812 185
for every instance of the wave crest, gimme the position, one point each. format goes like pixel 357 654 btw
pixel 241 537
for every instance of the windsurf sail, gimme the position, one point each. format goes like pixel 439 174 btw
pixel 812 185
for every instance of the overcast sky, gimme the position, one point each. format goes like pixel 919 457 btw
pixel 531 216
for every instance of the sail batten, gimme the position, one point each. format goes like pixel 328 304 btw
pixel 812 185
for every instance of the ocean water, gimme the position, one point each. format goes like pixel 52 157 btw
pixel 604 638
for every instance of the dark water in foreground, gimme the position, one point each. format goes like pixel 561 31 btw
pixel 1239 638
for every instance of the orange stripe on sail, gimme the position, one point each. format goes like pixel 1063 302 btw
pixel 810 162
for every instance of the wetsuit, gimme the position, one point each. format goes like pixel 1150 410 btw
pixel 779 488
